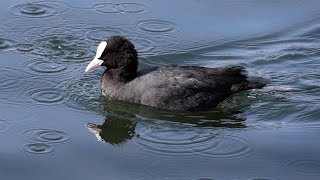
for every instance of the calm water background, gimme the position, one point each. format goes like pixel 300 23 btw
pixel 54 124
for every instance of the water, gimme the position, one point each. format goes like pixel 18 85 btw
pixel 54 123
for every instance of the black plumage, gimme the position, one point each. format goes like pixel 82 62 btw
pixel 183 88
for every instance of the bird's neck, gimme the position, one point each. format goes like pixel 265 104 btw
pixel 120 75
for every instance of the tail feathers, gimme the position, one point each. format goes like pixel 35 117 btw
pixel 237 71
pixel 246 86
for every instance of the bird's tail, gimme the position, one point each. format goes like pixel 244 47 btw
pixel 246 86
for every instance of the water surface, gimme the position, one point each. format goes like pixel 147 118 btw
pixel 54 123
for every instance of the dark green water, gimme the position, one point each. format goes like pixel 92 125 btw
pixel 54 124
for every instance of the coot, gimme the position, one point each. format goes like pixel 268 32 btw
pixel 172 87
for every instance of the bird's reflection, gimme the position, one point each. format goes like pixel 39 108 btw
pixel 113 130
pixel 122 118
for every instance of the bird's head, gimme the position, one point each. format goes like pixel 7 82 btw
pixel 116 52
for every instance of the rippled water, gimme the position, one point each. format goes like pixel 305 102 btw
pixel 55 124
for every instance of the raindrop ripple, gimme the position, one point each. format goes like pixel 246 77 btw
pixel 156 26
pixel 178 143
pixel 38 148
pixel 46 136
pixel 305 167
pixel 69 48
pixel 45 67
pixel 38 9
pixel 46 96
pixel 106 8
pixel 130 8
pixel 120 8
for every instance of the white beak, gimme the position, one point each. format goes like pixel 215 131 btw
pixel 93 64
pixel 96 62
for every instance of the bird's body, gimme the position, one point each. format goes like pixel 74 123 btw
pixel 183 88
pixel 178 87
